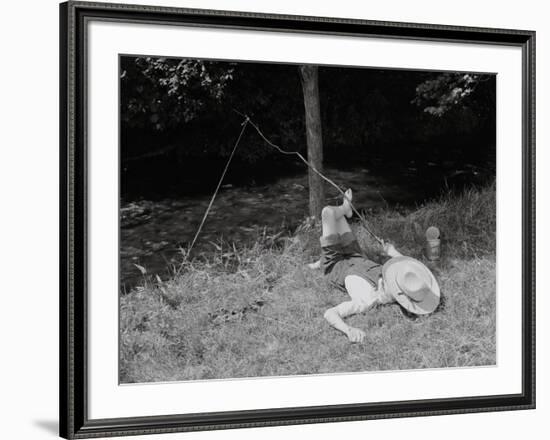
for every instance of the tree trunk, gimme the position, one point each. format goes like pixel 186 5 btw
pixel 314 135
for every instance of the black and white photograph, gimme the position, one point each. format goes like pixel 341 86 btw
pixel 286 219
pixel 238 219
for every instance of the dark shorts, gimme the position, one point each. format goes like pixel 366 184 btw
pixel 342 256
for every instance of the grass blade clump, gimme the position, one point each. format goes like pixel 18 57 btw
pixel 258 310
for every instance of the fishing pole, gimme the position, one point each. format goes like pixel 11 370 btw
pixel 247 121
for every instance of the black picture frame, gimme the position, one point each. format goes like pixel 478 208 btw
pixel 74 420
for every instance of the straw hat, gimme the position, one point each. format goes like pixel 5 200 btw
pixel 411 284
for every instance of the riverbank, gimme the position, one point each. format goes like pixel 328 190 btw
pixel 154 232
pixel 258 310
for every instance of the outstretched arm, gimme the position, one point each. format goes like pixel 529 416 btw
pixel 335 316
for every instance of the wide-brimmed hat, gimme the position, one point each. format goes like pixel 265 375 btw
pixel 412 285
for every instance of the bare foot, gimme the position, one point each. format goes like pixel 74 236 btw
pixel 315 266
pixel 348 212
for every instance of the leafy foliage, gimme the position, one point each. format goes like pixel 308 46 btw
pixel 162 93
pixel 180 114
pixel 438 95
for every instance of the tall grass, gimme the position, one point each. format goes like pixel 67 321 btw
pixel 467 223
pixel 258 310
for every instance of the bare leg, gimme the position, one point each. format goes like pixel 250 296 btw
pixel 334 217
pixel 334 221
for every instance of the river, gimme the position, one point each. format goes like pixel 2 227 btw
pixel 154 231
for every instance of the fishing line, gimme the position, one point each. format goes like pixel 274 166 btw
pixel 244 124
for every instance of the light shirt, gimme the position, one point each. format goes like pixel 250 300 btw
pixel 364 295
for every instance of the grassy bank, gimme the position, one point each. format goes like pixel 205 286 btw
pixel 258 311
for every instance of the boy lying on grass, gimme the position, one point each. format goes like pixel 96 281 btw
pixel 401 279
